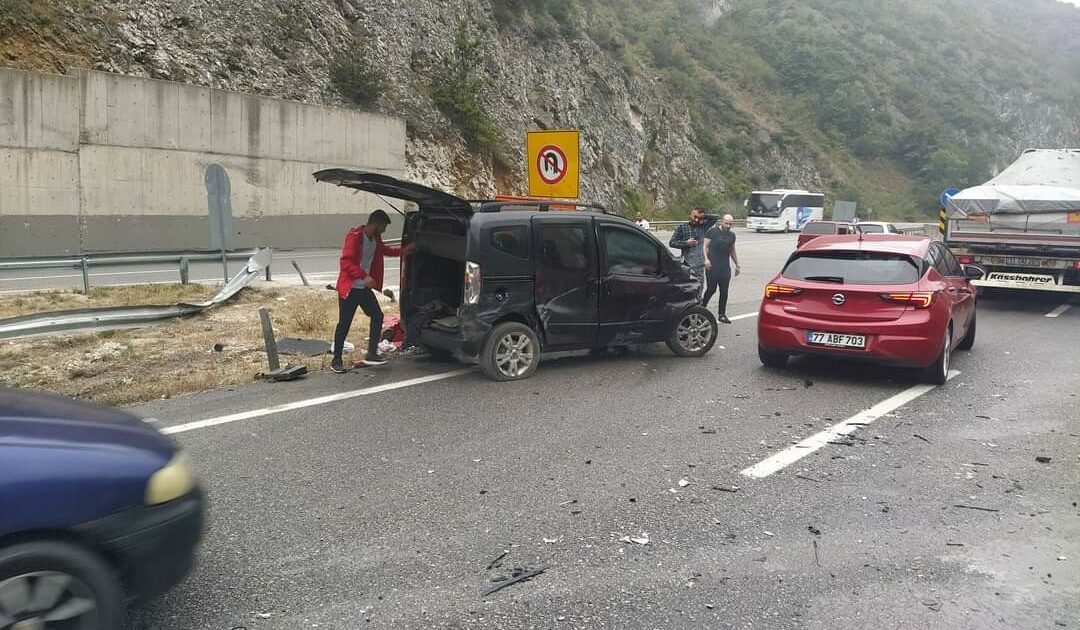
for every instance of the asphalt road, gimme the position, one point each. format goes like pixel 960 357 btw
pixel 380 498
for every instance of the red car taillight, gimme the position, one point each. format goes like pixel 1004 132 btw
pixel 773 290
pixel 916 299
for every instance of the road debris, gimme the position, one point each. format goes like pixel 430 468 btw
pixel 517 574
pixel 921 438
pixel 975 507
pixel 813 530
pixel 1042 459
pixel 726 488
pixel 643 539
pixel 683 483
pixel 807 477
pixel 497 562
pixel 552 541
pixel 933 605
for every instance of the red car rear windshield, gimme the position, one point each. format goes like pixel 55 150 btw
pixel 819 228
pixel 852 268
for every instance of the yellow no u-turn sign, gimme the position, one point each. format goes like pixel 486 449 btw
pixel 554 163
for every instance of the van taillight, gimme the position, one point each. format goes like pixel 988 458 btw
pixel 916 299
pixel 471 292
pixel 774 290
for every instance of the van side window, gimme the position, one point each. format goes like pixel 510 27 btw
pixel 564 247
pixel 630 254
pixel 511 240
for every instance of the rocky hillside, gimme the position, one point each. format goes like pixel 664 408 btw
pixel 679 101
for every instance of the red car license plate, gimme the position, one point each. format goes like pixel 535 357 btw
pixel 836 340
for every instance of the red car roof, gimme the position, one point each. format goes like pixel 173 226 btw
pixel 886 243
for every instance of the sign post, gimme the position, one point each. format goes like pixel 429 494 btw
pixel 554 163
pixel 943 214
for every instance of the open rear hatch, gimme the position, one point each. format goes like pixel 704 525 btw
pixel 432 277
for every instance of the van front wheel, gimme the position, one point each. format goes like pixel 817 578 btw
pixel 694 333
pixel 511 352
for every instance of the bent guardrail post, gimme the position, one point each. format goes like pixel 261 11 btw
pixel 185 269
pixel 268 339
pixel 303 278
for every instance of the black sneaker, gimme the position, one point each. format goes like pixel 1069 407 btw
pixel 724 319
pixel 337 368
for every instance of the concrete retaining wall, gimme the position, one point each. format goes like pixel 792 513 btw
pixel 99 162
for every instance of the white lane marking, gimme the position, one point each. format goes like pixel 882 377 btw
pixel 743 316
pixel 792 454
pixel 1059 310
pixel 310 402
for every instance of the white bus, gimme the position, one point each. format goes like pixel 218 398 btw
pixel 782 210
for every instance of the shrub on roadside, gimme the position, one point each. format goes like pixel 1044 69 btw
pixel 356 77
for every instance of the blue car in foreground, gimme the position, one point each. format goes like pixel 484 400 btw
pixel 97 509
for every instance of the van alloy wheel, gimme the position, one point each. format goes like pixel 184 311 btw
pixel 43 600
pixel 694 333
pixel 514 354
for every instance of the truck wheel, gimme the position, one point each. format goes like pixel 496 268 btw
pixel 694 332
pixel 969 339
pixel 772 358
pixel 511 352
pixel 50 583
pixel 938 371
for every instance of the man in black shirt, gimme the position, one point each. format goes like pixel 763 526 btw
pixel 719 253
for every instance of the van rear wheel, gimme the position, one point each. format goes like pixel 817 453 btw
pixel 511 352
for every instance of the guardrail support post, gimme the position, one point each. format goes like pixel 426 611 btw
pixel 268 273
pixel 303 278
pixel 268 339
pixel 85 276
pixel 184 270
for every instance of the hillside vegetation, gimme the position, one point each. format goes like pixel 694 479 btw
pixel 895 100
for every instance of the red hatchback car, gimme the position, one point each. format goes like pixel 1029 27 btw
pixel 897 300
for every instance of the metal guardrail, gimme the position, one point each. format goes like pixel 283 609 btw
pixel 667 226
pixel 114 318
pixel 84 263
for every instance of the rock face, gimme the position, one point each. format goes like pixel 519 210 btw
pixel 637 130
pixel 636 134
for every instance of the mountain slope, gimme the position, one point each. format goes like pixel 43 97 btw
pixel 679 101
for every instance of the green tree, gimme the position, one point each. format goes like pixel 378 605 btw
pixel 356 77
pixel 456 89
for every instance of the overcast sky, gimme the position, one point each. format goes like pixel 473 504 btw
pixel 1076 2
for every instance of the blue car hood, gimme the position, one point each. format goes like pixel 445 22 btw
pixel 35 419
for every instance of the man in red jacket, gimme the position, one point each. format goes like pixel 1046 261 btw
pixel 360 276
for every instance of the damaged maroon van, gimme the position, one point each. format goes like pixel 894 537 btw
pixel 500 282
